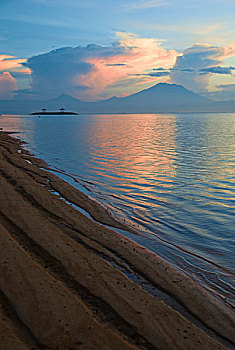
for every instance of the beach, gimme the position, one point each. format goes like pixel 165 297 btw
pixel 69 281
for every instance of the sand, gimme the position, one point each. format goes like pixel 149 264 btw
pixel 64 277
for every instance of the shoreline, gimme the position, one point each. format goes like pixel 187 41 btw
pixel 57 264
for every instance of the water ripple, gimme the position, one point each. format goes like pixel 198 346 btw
pixel 172 176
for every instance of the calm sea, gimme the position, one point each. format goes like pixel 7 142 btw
pixel 171 176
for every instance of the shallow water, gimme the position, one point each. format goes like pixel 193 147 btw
pixel 171 176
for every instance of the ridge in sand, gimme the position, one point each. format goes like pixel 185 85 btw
pixel 64 277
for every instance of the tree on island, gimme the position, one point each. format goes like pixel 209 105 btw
pixel 44 110
pixel 62 110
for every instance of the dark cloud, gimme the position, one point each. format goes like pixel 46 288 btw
pixel 217 70
pixel 159 69
pixel 63 70
pixel 158 74
pixel 115 64
pixel 189 70
pixel 174 69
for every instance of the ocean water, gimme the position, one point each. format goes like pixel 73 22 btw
pixel 170 176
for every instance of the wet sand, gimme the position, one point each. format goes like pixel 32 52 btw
pixel 64 277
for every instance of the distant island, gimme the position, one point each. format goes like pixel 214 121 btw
pixel 60 112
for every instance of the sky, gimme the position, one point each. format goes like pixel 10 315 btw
pixel 94 50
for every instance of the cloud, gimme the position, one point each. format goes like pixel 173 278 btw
pixel 218 70
pixel 228 51
pixel 7 86
pixel 56 71
pixel 12 69
pixel 138 55
pixel 158 74
pixel 226 86
pixel 192 69
pixel 202 71
pixel 115 64
pixel 174 69
pixel 8 62
pixel 188 70
pixel 224 92
pixel 94 72
pixel 90 72
pixel 23 73
pixel 159 69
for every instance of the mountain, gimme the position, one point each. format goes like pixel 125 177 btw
pixel 165 98
pixel 160 98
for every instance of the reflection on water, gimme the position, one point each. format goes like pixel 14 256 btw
pixel 135 152
pixel 172 176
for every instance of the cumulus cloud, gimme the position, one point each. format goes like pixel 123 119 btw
pixel 195 66
pixel 7 86
pixel 58 71
pixel 89 72
pixel 194 61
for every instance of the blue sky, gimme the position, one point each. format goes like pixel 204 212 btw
pixel 197 35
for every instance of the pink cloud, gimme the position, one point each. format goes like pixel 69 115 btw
pixel 124 94
pixel 138 56
pixel 10 62
pixel 21 70
pixel 228 51
pixel 7 86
